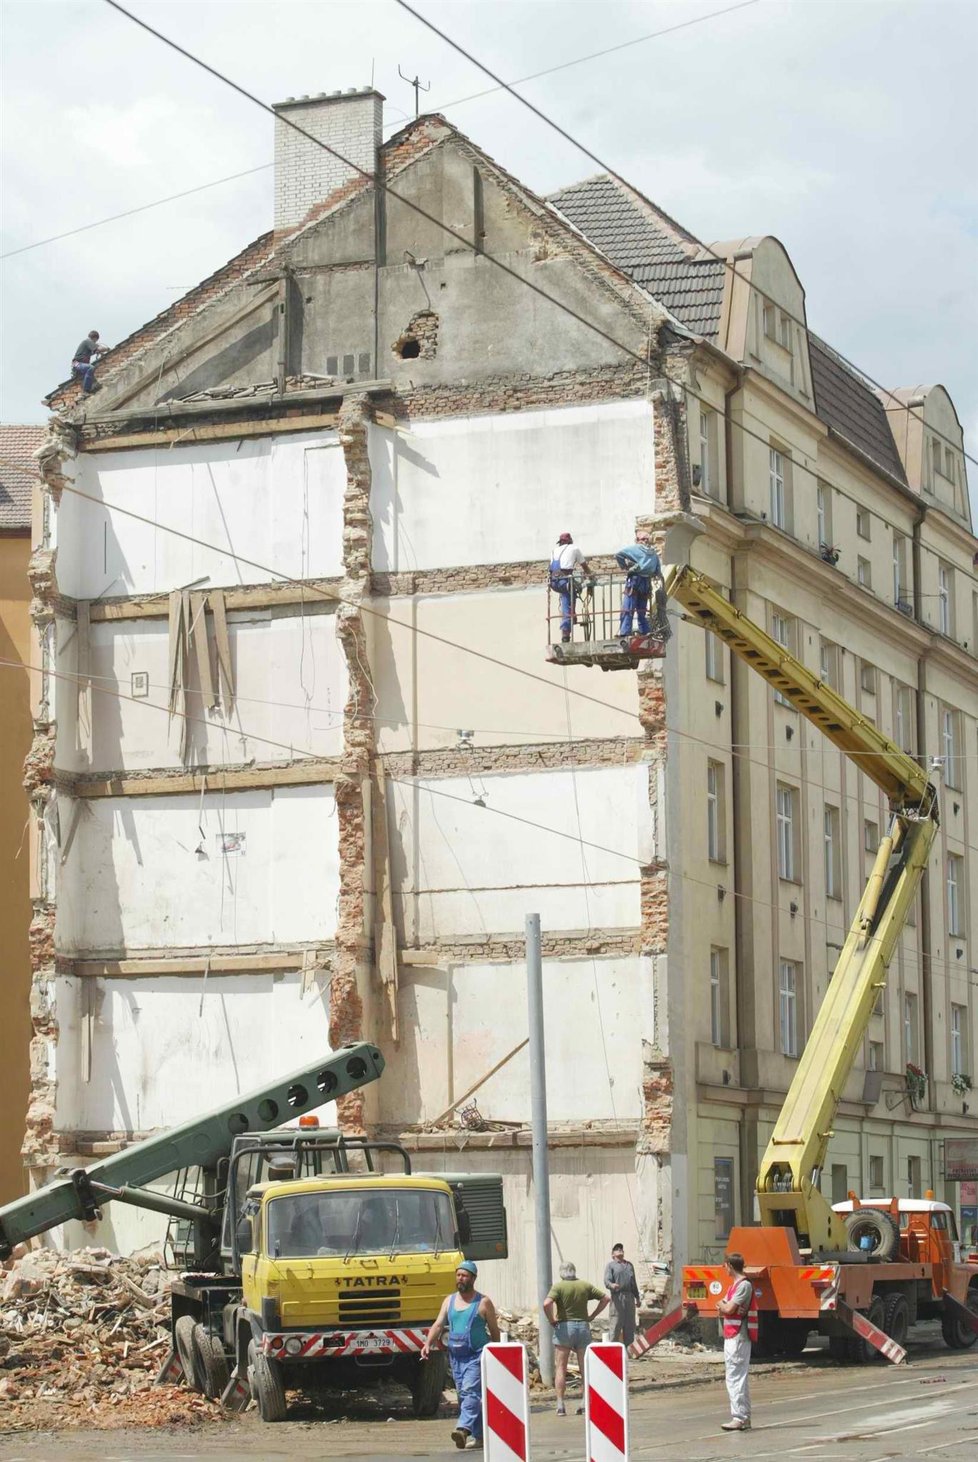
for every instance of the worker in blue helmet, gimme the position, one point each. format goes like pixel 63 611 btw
pixel 469 1318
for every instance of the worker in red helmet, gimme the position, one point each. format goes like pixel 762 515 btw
pixel 565 562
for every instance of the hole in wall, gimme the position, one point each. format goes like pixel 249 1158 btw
pixel 408 348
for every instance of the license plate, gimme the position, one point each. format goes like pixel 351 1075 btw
pixel 696 1291
pixel 372 1342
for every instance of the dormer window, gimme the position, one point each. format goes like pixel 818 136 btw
pixel 777 326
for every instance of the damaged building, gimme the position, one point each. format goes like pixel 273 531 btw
pixel 300 767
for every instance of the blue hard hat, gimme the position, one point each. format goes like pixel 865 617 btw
pixel 469 1266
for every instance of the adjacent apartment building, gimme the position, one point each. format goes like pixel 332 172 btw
pixel 301 769
pixel 18 474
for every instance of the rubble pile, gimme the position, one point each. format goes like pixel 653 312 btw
pixel 82 1337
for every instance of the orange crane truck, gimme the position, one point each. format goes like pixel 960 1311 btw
pixel 861 1272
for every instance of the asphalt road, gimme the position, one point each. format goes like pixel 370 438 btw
pixel 813 1412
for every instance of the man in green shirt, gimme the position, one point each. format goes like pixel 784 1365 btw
pixel 566 1307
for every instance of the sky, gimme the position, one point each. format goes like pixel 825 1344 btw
pixel 848 129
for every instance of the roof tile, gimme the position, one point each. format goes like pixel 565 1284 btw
pixel 18 473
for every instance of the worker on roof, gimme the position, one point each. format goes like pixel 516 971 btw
pixel 565 561
pixel 82 365
pixel 641 563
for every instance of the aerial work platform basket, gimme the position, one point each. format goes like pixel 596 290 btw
pixel 596 634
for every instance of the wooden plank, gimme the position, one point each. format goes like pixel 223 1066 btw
pixel 185 436
pixel 128 968
pixel 162 784
pixel 223 645
pixel 198 636
pixel 312 594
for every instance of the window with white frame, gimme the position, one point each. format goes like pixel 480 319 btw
pixel 901 587
pixel 778 484
pixel 823 507
pixel 787 831
pixel 875 1173
pixel 708 452
pixel 828 664
pixel 714 657
pixel 945 599
pixel 903 720
pixel 832 836
pixel 788 1007
pixel 718 997
pixel 715 812
pixel 864 523
pixel 877 1059
pixel 782 630
pixel 867 677
pixel 959 1015
pixel 949 746
pixel 871 835
pixel 910 1028
pixel 864 573
pixel 955 889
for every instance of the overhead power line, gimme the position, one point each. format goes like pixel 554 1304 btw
pixel 606 167
pixel 469 244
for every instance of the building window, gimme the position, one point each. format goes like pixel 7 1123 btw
pixel 708 452
pixel 903 726
pixel 714 657
pixel 823 507
pixel 913 1177
pixel 955 886
pixel 723 1195
pixel 828 664
pixel 777 326
pixel 864 573
pixel 778 482
pixel 871 836
pixel 863 523
pixel 833 861
pixel 788 1008
pixel 787 818
pixel 958 1018
pixel 782 631
pixel 715 812
pixel 840 1182
pixel 910 1028
pixel 875 1174
pixel 945 599
pixel 877 1061
pixel 901 588
pixel 949 744
pixel 718 998
pixel 867 677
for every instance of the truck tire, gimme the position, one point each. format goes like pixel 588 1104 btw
pixel 183 1341
pixel 957 1335
pixel 267 1386
pixel 860 1352
pixel 212 1365
pixel 786 1337
pixel 428 1384
pixel 875 1224
pixel 838 1348
pixel 896 1317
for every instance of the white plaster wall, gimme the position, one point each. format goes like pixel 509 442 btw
pixel 290 687
pixel 277 501
pixel 169 1049
pixel 459 1020
pixel 133 877
pixel 427 690
pixel 595 1197
pixel 458 868
pixel 499 488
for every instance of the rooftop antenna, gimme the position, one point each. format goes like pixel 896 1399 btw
pixel 418 87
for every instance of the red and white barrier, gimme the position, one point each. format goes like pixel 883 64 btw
pixel 657 1332
pixel 505 1402
pixel 871 1333
pixel 605 1403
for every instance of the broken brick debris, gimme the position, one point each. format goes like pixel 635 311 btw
pixel 82 1337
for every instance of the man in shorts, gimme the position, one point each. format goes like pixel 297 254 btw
pixel 566 1307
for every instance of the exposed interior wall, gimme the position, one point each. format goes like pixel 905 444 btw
pixel 15 909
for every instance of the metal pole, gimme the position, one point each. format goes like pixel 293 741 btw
pixel 541 1158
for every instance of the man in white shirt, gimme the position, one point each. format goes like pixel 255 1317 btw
pixel 564 561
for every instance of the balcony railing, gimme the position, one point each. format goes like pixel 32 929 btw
pixel 601 631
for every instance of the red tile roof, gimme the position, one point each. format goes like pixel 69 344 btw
pixel 18 473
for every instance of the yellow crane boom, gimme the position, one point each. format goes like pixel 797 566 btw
pixel 787 1179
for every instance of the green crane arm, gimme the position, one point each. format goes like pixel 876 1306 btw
pixel 787 1179
pixel 202 1143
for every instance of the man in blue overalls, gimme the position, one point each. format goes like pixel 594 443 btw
pixel 565 561
pixel 470 1319
pixel 640 562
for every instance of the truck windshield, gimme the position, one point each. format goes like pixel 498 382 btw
pixel 359 1221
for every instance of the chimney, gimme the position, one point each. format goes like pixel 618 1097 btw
pixel 349 121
